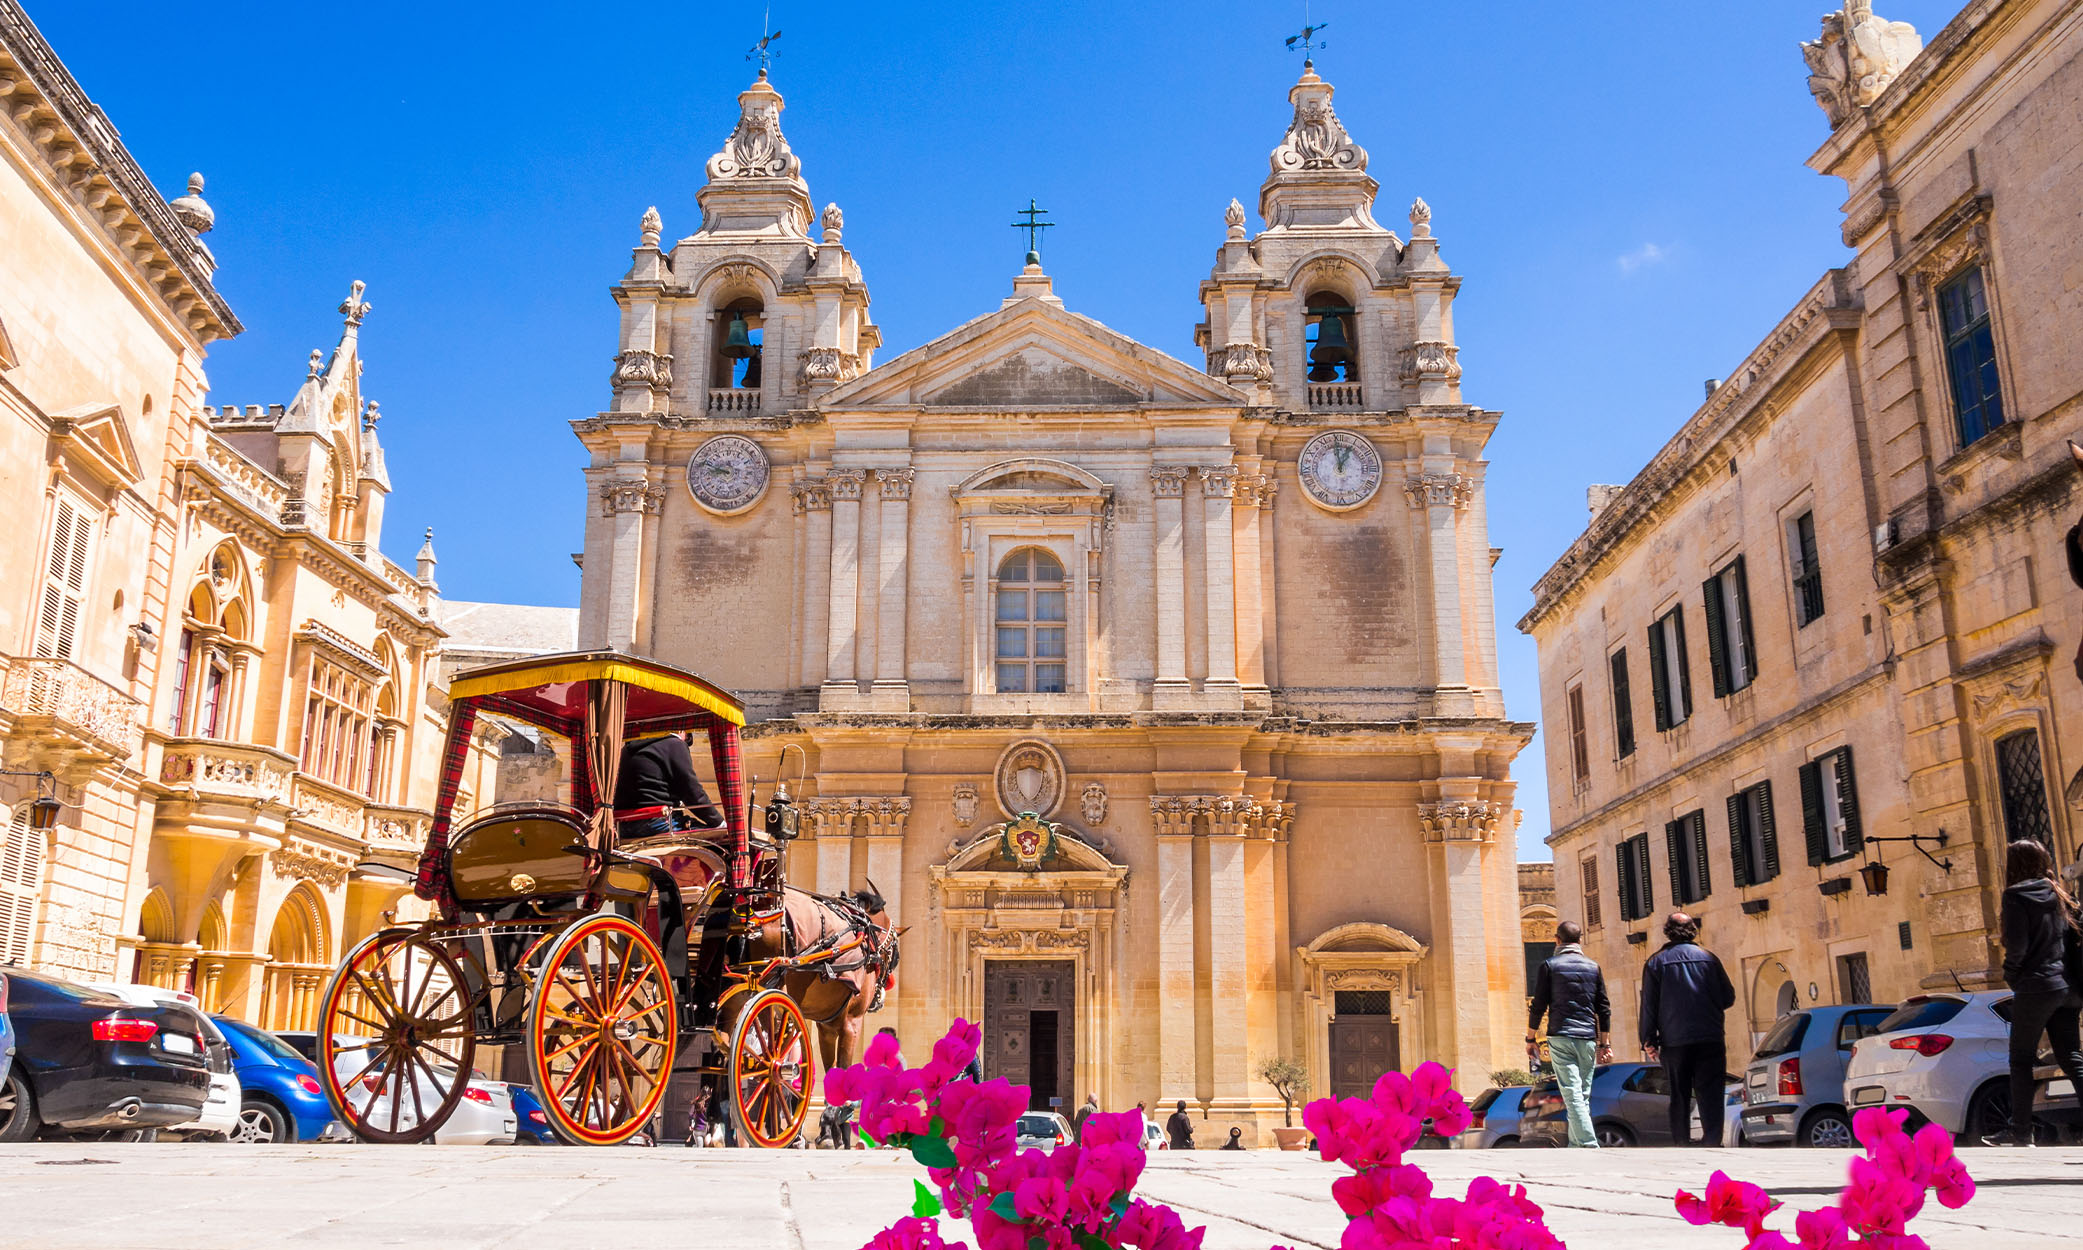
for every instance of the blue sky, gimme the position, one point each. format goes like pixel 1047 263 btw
pixel 1620 185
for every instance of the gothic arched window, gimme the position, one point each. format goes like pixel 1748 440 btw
pixel 1032 615
pixel 1329 332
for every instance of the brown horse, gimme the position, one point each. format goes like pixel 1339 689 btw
pixel 851 963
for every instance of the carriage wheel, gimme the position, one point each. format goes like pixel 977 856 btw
pixel 394 1037
pixel 770 1070
pixel 601 1031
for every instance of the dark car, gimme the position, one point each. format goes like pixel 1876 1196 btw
pixel 87 1060
pixel 1630 1106
pixel 532 1123
pixel 6 1039
pixel 1794 1086
pixel 280 1098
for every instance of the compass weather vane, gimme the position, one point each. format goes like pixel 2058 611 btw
pixel 763 51
pixel 1305 41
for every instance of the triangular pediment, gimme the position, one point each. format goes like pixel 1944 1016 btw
pixel 1033 354
pixel 100 439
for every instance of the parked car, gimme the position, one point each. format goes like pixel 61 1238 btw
pixel 483 1116
pixel 1154 1138
pixel 1045 1129
pixel 282 1101
pixel 1944 1057
pixel 1493 1120
pixel 531 1122
pixel 221 1113
pixel 1794 1086
pixel 303 1042
pixel 88 1061
pixel 6 1039
pixel 1630 1106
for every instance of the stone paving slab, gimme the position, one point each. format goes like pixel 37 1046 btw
pixel 180 1196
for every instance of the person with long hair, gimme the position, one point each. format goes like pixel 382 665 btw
pixel 2038 917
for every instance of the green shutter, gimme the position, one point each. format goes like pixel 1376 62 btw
pixel 1812 811
pixel 1684 666
pixel 1623 707
pixel 1648 896
pixel 1750 646
pixel 1739 854
pixel 1768 837
pixel 1624 879
pixel 1717 644
pixel 1659 684
pixel 1848 802
pixel 1703 881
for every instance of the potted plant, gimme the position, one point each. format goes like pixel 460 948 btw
pixel 1290 1080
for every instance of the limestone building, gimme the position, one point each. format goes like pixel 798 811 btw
pixel 1834 611
pixel 1225 629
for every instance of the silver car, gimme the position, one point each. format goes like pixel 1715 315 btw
pixel 1793 1090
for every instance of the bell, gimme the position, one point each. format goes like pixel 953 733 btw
pixel 1331 349
pixel 738 342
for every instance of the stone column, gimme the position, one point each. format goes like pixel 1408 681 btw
pixel 1251 621
pixel 1440 497
pixel 1228 945
pixel 843 630
pixel 813 506
pixel 1220 595
pixel 625 501
pixel 833 821
pixel 1169 571
pixel 1269 587
pixel 888 816
pixel 1178 1045
pixel 891 691
pixel 1457 833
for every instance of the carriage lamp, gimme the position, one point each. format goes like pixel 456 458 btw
pixel 1875 874
pixel 43 813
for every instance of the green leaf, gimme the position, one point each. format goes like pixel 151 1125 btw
pixel 1120 1205
pixel 1002 1207
pixel 932 1151
pixel 1036 1243
pixel 1092 1241
pixel 923 1202
pixel 938 1127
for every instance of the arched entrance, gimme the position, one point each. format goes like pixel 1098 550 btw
pixel 297 961
pixel 1361 1012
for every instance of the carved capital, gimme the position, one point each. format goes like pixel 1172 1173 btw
pixel 1169 481
pixel 652 370
pixel 884 814
pixel 1452 490
pixel 1430 358
pixel 1461 820
pixel 302 861
pixel 1242 362
pixel 820 364
pixel 846 484
pixel 894 483
pixel 1218 483
pixel 631 494
pixel 812 494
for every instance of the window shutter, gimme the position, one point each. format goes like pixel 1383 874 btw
pixel 1659 685
pixel 1739 852
pixel 1768 837
pixel 1717 636
pixel 21 884
pixel 1647 897
pixel 1848 802
pixel 1579 737
pixel 1624 875
pixel 1684 691
pixel 1674 844
pixel 1702 884
pixel 1623 707
pixel 1812 810
pixel 1750 646
pixel 1591 899
pixel 65 583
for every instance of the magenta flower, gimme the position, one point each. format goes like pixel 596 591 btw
pixel 912 1233
pixel 1738 1204
pixel 1106 1127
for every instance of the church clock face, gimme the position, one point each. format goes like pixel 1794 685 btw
pixel 1340 470
pixel 727 474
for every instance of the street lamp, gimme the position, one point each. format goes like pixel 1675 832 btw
pixel 1875 874
pixel 43 813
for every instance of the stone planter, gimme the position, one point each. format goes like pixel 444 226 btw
pixel 1291 1138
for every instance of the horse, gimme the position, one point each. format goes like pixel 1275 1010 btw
pixel 851 953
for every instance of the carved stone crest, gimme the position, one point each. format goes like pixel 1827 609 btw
pixel 1092 804
pixel 1029 778
pixel 755 148
pixel 1316 139
pixel 1028 840
pixel 965 800
pixel 1855 58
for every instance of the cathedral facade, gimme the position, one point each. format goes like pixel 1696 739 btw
pixel 1160 699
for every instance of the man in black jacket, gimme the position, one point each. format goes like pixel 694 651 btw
pixel 655 779
pixel 1685 990
pixel 1571 991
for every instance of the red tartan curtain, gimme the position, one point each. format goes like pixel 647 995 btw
pixel 730 791
pixel 605 703
pixel 431 880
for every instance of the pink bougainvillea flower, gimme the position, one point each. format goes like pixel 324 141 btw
pixel 1105 1127
pixel 1738 1204
pixel 1041 1200
pixel 912 1233
pixel 1149 1226
pixel 951 1054
pixel 1823 1230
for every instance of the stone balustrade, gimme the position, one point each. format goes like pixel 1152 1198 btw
pixel 733 399
pixel 396 828
pixel 208 768
pixel 1335 395
pixel 259 489
pixel 328 807
pixel 67 711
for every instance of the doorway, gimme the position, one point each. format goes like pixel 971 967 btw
pixel 1029 1028
pixel 1363 1042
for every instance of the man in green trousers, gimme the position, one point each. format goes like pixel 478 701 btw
pixel 1571 991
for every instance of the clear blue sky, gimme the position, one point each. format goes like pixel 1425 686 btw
pixel 1621 186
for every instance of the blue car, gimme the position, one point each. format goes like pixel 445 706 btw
pixel 282 1100
pixel 532 1123
pixel 6 1039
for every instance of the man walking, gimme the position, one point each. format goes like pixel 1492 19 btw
pixel 1571 991
pixel 1685 990
pixel 1179 1128
pixel 1084 1113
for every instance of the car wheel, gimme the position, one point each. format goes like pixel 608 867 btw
pixel 1507 1142
pixel 1612 1136
pixel 1988 1112
pixel 18 1118
pixel 262 1124
pixel 1828 1129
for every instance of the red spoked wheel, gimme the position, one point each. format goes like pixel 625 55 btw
pixel 601 1031
pixel 770 1070
pixel 394 1037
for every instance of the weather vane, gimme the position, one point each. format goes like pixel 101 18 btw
pixel 1033 226
pixel 1307 40
pixel 763 51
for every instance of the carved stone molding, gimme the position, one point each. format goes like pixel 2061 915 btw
pixel 1029 778
pixel 1169 481
pixel 1439 490
pixel 1218 483
pixel 302 861
pixel 846 484
pixel 756 148
pixel 631 494
pixel 1430 358
pixel 966 797
pixel 1062 940
pixel 1000 940
pixel 885 814
pixel 812 494
pixel 1461 820
pixel 646 369
pixel 1855 59
pixel 1092 804
pixel 1222 815
pixel 1316 139
pixel 1363 979
pixel 1246 361
pixel 894 483
pixel 1961 250
pixel 820 364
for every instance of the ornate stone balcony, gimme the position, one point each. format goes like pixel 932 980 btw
pixel 1335 395
pixel 328 807
pixel 64 715
pixel 733 399
pixel 206 769
pixel 398 830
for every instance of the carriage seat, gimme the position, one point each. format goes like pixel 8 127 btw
pixel 695 858
pixel 518 852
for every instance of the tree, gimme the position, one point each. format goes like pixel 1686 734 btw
pixel 1506 1078
pixel 1289 1079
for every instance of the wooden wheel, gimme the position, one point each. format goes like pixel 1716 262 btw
pixel 770 1070
pixel 394 1037
pixel 601 1031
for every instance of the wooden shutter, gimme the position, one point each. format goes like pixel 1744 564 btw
pixel 1717 635
pixel 1646 896
pixel 1589 865
pixel 1750 647
pixel 1579 738
pixel 1674 844
pixel 1702 883
pixel 1684 691
pixel 1812 811
pixel 1659 685
pixel 1739 850
pixel 1624 875
pixel 1623 707
pixel 1848 802
pixel 21 885
pixel 1768 837
pixel 64 584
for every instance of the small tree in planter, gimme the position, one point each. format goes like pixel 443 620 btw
pixel 1289 1079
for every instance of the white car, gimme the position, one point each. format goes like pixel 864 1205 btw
pixel 1945 1057
pixel 220 1113
pixel 1044 1129
pixel 483 1116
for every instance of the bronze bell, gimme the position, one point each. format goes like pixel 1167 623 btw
pixel 738 342
pixel 1331 350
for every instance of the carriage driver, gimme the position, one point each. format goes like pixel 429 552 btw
pixel 655 782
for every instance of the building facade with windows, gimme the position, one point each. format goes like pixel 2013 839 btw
pixel 1225 629
pixel 1858 542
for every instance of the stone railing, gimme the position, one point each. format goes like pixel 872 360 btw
pixel 258 488
pixel 328 806
pixel 1335 395
pixel 62 707
pixel 396 828
pixel 237 770
pixel 733 399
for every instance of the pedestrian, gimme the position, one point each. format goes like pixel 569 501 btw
pixel 1084 1113
pixel 1179 1128
pixel 2040 964
pixel 1685 990
pixel 1142 1126
pixel 1236 1141
pixel 974 1070
pixel 1571 991
pixel 697 1124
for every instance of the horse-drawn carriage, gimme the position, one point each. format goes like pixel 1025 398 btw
pixel 612 962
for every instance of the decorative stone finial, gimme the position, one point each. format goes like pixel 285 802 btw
pixel 370 416
pixel 755 148
pixel 833 222
pixel 650 225
pixel 1855 58
pixel 1420 219
pixel 354 307
pixel 1315 139
pixel 426 560
pixel 317 365
pixel 191 211
pixel 1233 217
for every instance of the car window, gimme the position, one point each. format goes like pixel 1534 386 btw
pixel 1483 1100
pixel 2002 1010
pixel 1649 1080
pixel 1785 1036
pixel 1920 1013
pixel 1858 1024
pixel 1037 1126
pixel 27 988
pixel 274 1047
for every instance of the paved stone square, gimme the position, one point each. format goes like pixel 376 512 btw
pixel 149 1197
